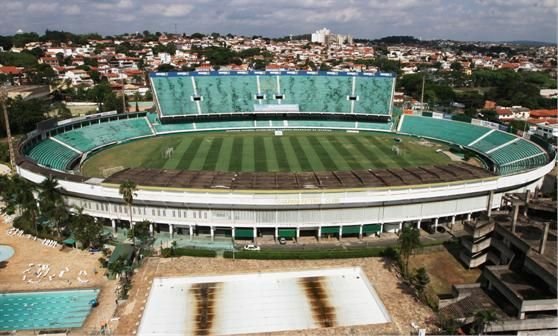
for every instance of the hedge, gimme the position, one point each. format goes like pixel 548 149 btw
pixel 183 251
pixel 306 254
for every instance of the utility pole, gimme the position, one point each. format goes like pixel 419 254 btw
pixel 3 99
pixel 124 110
pixel 422 94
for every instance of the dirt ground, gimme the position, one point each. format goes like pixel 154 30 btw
pixel 444 270
pixel 403 308
pixel 28 251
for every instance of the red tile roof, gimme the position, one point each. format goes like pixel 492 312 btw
pixel 544 113
pixel 11 70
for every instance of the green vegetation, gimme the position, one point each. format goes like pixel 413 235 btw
pixel 409 241
pixel 292 254
pixel 262 151
pixel 183 251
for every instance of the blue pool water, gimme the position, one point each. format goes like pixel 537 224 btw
pixel 45 310
pixel 6 252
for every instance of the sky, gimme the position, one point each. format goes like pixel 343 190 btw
pixel 465 20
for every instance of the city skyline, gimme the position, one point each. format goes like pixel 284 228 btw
pixel 479 20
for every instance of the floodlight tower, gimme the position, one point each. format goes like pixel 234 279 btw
pixel 3 100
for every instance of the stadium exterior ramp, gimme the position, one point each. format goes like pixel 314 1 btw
pixel 360 202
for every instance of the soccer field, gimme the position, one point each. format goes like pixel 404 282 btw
pixel 265 152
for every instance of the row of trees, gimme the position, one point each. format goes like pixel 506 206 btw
pixel 41 210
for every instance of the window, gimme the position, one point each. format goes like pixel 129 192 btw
pixel 153 212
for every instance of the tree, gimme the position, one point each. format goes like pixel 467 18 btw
pixel 140 231
pixel 127 190
pixel 18 197
pixel 456 66
pixel 421 280
pixel 409 241
pixel 482 319
pixel 165 68
pixel 85 229
pixel 51 202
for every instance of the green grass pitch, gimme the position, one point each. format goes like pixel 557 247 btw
pixel 263 151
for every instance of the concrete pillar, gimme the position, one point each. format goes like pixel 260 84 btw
pixel 191 229
pixel 113 223
pixel 452 221
pixel 340 232
pixel 360 232
pixel 489 207
pixel 212 232
pixel 255 235
pixel 514 216
pixel 171 230
pixel 469 216
pixel 297 233
pixel 232 233
pixel 276 233
pixel 400 226
pixel 527 199
pixel 544 237
pixel 151 228
pixel 436 223
pixel 521 316
pixel 319 233
pixel 418 223
pixel 381 228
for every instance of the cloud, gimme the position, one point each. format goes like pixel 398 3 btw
pixel 169 10
pixel 72 10
pixel 448 19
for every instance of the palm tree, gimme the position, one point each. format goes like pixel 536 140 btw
pixel 137 98
pixel 127 190
pixel 51 202
pixel 23 200
pixel 409 240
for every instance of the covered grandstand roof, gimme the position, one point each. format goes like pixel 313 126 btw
pixel 297 181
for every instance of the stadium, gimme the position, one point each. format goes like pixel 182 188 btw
pixel 283 154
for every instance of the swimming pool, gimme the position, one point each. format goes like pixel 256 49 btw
pixel 45 310
pixel 6 252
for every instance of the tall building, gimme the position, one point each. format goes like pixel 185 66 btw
pixel 324 36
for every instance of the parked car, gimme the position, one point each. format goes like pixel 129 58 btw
pixel 282 241
pixel 251 247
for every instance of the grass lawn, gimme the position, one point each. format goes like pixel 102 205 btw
pixel 265 152
pixel 444 270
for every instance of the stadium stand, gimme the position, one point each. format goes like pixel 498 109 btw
pixel 509 153
pixel 96 135
pixel 493 140
pixel 50 153
pixel 180 94
pixel 455 132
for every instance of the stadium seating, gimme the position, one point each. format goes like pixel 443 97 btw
pixel 175 96
pixel 237 93
pixel 205 125
pixel 367 125
pixel 50 153
pixel 518 156
pixel 374 95
pixel 96 135
pixel 509 157
pixel 493 140
pixel 452 131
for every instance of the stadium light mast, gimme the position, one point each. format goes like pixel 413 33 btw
pixel 3 100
